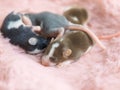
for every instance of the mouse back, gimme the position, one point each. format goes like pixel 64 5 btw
pixel 48 21
pixel 52 21
pixel 79 43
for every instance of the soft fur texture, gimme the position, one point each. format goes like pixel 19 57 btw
pixel 97 70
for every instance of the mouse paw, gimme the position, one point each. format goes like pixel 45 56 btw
pixel 26 20
pixel 36 28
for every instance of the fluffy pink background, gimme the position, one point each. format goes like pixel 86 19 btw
pixel 97 70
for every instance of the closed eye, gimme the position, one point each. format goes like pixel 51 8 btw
pixel 53 59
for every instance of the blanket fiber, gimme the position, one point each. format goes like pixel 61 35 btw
pixel 97 70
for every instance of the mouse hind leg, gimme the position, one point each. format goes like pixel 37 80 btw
pixel 26 20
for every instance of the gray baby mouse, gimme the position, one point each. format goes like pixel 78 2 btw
pixel 52 25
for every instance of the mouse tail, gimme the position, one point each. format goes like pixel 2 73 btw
pixel 89 32
pixel 107 37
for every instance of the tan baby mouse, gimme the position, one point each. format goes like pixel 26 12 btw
pixel 70 47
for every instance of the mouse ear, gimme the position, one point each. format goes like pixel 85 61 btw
pixel 33 41
pixel 67 53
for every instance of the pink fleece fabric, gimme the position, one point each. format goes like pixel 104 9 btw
pixel 97 70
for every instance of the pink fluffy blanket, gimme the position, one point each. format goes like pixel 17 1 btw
pixel 97 70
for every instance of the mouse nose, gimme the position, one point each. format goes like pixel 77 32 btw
pixel 46 62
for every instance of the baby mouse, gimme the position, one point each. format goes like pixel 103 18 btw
pixel 70 47
pixel 52 25
pixel 21 34
pixel 76 15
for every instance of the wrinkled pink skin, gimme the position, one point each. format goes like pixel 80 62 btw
pixel 97 70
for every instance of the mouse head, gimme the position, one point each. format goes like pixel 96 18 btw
pixel 57 52
pixel 36 44
pixel 30 41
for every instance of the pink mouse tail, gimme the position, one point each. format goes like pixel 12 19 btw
pixel 107 37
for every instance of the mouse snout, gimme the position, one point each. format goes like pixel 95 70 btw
pixel 46 61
